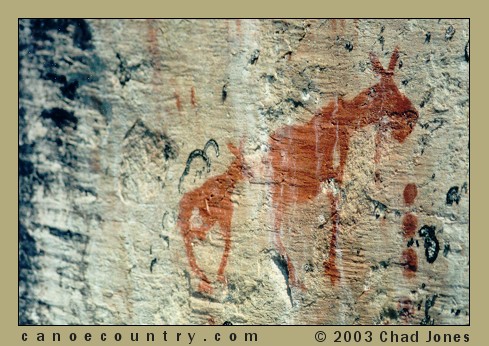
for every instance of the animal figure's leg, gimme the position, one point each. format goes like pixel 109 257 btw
pixel 188 235
pixel 330 268
pixel 226 233
pixel 280 246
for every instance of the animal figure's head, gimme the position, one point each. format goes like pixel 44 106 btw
pixel 239 168
pixel 384 98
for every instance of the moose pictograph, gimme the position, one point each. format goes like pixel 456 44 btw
pixel 213 205
pixel 305 155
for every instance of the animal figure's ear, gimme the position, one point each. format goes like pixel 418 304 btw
pixel 379 69
pixel 393 61
pixel 234 150
pixel 376 65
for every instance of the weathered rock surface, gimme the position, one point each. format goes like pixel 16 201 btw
pixel 344 196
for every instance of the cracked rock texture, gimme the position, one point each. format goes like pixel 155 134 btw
pixel 319 212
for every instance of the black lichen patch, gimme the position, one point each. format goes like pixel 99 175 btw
pixel 26 168
pixel 309 267
pixel 68 235
pixel 295 103
pixel 426 99
pixel 430 302
pixel 255 56
pixel 68 90
pixel 153 262
pixel 449 33
pixel 464 188
pixel 224 94
pixel 124 71
pixel 446 250
pixel 390 313
pixel 61 118
pixel 43 29
pixel 453 196
pixel 170 151
pixel 431 244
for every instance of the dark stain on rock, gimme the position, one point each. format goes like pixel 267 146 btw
pixel 449 33
pixel 123 71
pixel 431 244
pixel 446 250
pixel 453 196
pixel 430 302
pixel 255 56
pixel 281 264
pixel 426 99
pixel 153 262
pixel 68 88
pixel 390 313
pixel 405 308
pixel 464 188
pixel 61 118
pixel 349 46
pixel 26 168
pixel 166 239
pixel 170 151
pixel 427 38
pixel 68 235
pixel 82 34
pixel 28 266
pixel 381 41
pixel 224 94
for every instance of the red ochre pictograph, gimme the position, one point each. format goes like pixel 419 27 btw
pixel 306 155
pixel 409 258
pixel 302 157
pixel 212 204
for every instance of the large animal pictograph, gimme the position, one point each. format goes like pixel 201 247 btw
pixel 304 156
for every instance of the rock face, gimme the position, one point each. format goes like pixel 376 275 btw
pixel 248 171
